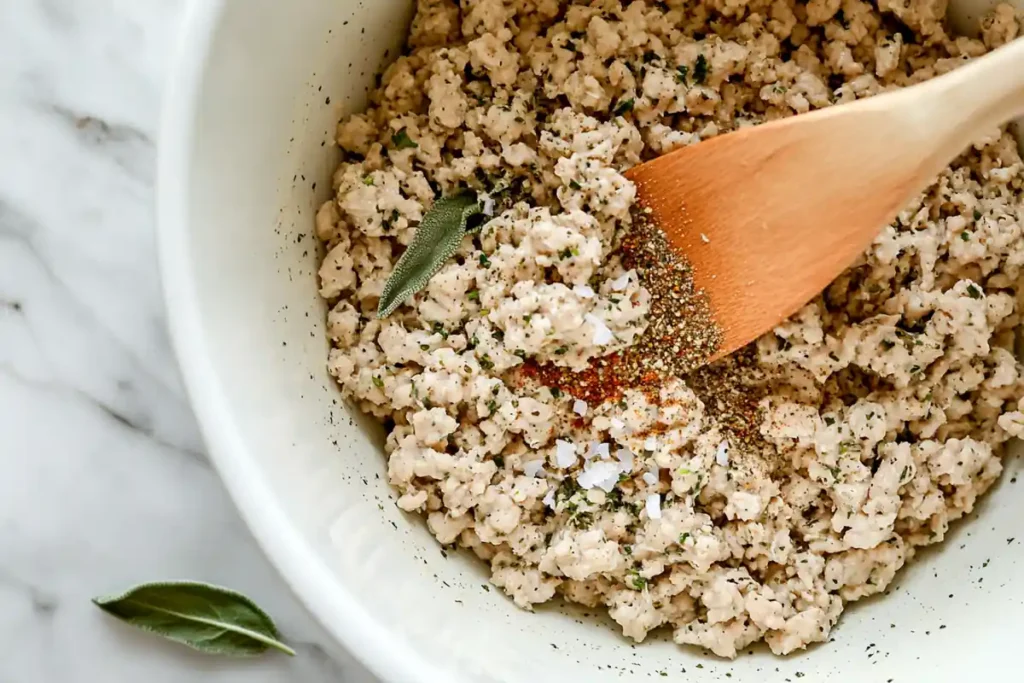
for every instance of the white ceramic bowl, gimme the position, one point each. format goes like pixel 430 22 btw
pixel 245 161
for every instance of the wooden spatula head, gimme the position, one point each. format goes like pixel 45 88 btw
pixel 769 215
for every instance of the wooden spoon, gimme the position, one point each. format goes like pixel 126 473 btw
pixel 769 215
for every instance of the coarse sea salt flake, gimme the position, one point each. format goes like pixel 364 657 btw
pixel 602 333
pixel 579 407
pixel 617 423
pixel 625 458
pixel 533 468
pixel 549 499
pixel 565 454
pixel 621 282
pixel 650 444
pixel 600 450
pixel 650 478
pixel 583 291
pixel 722 456
pixel 488 206
pixel 599 473
pixel 653 506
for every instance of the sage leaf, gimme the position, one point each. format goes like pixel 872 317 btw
pixel 438 237
pixel 207 618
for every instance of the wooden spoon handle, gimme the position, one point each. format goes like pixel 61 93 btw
pixel 958 107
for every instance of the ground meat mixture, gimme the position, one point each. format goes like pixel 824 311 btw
pixel 874 418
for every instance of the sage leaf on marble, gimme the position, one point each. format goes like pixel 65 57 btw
pixel 438 237
pixel 207 618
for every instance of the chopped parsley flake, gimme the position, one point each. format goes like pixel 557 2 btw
pixel 635 581
pixel 973 292
pixel 624 107
pixel 401 140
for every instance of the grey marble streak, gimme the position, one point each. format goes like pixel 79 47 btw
pixel 104 482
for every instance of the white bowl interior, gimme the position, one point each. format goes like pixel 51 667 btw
pixel 247 160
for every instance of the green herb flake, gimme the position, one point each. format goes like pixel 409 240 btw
pixel 681 73
pixel 561 350
pixel 683 537
pixel 973 292
pixel 624 107
pixel 977 215
pixel 492 406
pixel 474 295
pixel 368 181
pixel 965 236
pixel 378 382
pixel 484 261
pixel 486 363
pixel 700 69
pixel 401 140
pixel 437 238
pixel 556 392
pixel 635 581
pixel 575 185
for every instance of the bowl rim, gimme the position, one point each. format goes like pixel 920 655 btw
pixel 365 635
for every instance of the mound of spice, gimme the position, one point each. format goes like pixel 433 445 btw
pixel 681 334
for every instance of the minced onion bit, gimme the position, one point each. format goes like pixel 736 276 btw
pixel 602 474
pixel 602 333
pixel 620 283
pixel 565 454
pixel 653 506
pixel 722 456
pixel 533 468
pixel 625 458
pixel 583 291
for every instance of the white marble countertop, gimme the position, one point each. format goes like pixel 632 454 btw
pixel 105 482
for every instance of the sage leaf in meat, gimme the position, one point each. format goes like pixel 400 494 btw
pixel 207 618
pixel 438 237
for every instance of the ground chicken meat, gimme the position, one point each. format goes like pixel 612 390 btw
pixel 887 400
